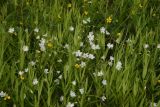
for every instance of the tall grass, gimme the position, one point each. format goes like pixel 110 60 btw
pixel 50 58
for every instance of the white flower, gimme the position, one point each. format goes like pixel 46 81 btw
pixel 158 46
pixel 154 104
pixel 107 33
pixel 61 98
pixel 88 20
pixel 111 58
pixel 90 56
pixel 119 65
pixel 71 28
pixel 104 82
pixel 100 74
pixel 2 94
pixel 74 82
pixel 35 81
pixel 42 44
pixel 103 98
pixel 95 47
pixel 70 104
pixel 21 72
pixel 146 46
pixel 110 63
pixel 11 30
pixel 25 48
pixel 36 30
pixel 56 81
pixel 38 37
pixel 91 36
pixel 66 46
pixel 81 90
pixel 60 77
pixel 110 46
pixel 26 70
pixel 84 21
pixel 72 94
pixel 83 64
pixel 102 30
pixel 59 60
pixel 78 53
pixel 58 72
pixel 85 55
pixel 81 44
pixel 46 71
pixel 32 63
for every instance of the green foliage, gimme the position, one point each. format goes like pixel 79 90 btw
pixel 39 40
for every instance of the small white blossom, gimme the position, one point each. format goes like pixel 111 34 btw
pixel 71 28
pixel 58 72
pixel 35 81
pixel 111 58
pixel 61 98
pixel 56 81
pixel 60 77
pixel 26 70
pixel 95 47
pixel 103 98
pixel 81 90
pixel 59 60
pixel 66 46
pixel 146 46
pixel 158 46
pixel 107 33
pixel 74 82
pixel 46 71
pixel 104 82
pixel 21 72
pixel 25 48
pixel 100 74
pixel 32 63
pixel 154 104
pixel 119 65
pixel 36 30
pixel 72 94
pixel 91 56
pixel 78 53
pixel 85 55
pixel 102 30
pixel 110 63
pixel 2 94
pixel 81 44
pixel 83 64
pixel 11 30
pixel 110 46
pixel 70 104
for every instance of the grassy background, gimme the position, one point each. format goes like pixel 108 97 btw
pixel 136 20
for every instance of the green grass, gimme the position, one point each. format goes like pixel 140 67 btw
pixel 132 78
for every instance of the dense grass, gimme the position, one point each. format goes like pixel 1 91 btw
pixel 39 41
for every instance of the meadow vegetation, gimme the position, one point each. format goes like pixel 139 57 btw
pixel 79 53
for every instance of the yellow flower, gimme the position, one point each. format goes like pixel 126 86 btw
pixel 77 66
pixel 69 5
pixel 7 97
pixel 22 77
pixel 109 19
pixel 119 34
pixel 85 13
pixel 158 81
pixel 50 45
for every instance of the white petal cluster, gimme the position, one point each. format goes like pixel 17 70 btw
pixel 42 44
pixel 84 55
pixel 91 41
